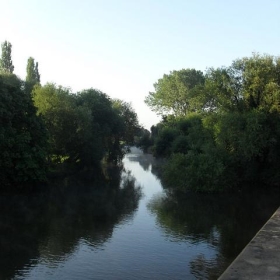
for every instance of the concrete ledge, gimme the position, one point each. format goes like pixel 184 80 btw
pixel 260 259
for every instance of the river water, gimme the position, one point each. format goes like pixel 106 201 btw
pixel 128 228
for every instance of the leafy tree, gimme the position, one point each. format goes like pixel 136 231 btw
pixel 223 90
pixel 37 74
pixel 22 136
pixel 180 144
pixel 30 70
pixel 107 123
pixel 129 119
pixel 115 121
pixel 6 64
pixel 164 141
pixel 232 139
pixel 32 74
pixel 72 136
pixel 177 93
pixel 144 139
pixel 249 83
pixel 260 80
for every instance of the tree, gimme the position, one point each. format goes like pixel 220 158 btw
pixel 22 136
pixel 30 70
pixel 83 128
pixel 6 64
pixel 144 139
pixel 32 74
pixel 37 74
pixel 223 90
pixel 249 83
pixel 232 140
pixel 176 93
pixel 260 76
pixel 108 124
pixel 129 119
pixel 71 129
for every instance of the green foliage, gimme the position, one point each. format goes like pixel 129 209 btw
pixel 85 127
pixel 144 139
pixel 233 139
pixel 6 64
pixel 223 91
pixel 107 123
pixel 177 92
pixel 74 129
pixel 37 74
pixel 30 70
pixel 261 81
pixel 249 83
pixel 129 119
pixel 22 136
pixel 164 141
pixel 180 145
pixel 179 134
pixel 32 74
pixel 72 136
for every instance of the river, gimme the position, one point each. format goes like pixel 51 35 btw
pixel 129 229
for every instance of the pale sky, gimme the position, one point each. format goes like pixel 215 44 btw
pixel 122 47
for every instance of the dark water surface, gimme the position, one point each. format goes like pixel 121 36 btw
pixel 126 228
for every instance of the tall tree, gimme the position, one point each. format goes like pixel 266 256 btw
pixel 32 71
pixel 129 120
pixel 37 75
pixel 6 64
pixel 22 136
pixel 176 93
pixel 249 83
pixel 32 74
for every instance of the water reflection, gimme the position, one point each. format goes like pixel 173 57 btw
pixel 225 223
pixel 49 227
pixel 144 160
pixel 101 227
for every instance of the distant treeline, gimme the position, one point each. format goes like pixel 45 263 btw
pixel 43 128
pixel 220 130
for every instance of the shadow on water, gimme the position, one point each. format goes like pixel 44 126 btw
pixel 49 226
pixel 220 225
pixel 179 236
pixel 225 223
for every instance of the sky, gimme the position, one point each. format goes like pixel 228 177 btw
pixel 122 47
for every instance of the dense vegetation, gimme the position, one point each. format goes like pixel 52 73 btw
pixel 48 128
pixel 220 130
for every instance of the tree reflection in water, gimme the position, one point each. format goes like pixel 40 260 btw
pixel 80 214
pixel 225 223
pixel 49 226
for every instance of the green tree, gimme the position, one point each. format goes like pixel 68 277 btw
pixel 6 64
pixel 144 139
pixel 128 118
pixel 32 74
pixel 107 122
pixel 232 139
pixel 30 71
pixel 22 136
pixel 223 90
pixel 260 77
pixel 37 74
pixel 72 134
pixel 249 83
pixel 177 93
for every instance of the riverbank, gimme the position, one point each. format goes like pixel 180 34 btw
pixel 261 257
